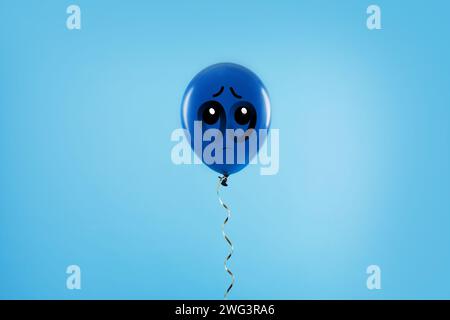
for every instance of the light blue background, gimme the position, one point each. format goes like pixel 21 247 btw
pixel 86 176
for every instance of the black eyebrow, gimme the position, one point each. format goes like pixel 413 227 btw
pixel 234 93
pixel 218 93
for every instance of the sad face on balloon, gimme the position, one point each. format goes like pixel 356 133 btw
pixel 232 100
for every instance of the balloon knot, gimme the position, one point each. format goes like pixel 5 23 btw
pixel 223 180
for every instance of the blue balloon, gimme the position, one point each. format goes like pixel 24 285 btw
pixel 220 97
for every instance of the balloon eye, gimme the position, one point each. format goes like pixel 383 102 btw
pixel 242 115
pixel 210 115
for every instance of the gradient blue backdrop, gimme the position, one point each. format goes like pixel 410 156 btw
pixel 86 176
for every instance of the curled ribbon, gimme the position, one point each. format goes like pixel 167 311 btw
pixel 223 182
